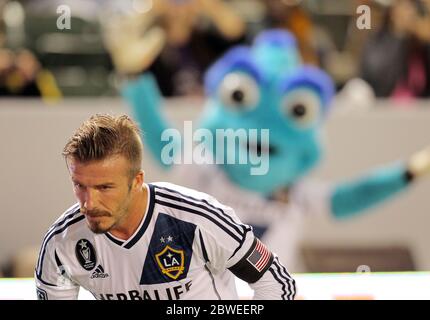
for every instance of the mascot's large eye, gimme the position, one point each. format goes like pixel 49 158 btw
pixel 239 91
pixel 302 106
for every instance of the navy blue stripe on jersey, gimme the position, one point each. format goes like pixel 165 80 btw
pixel 148 219
pixel 59 264
pixel 52 234
pixel 291 286
pixel 202 243
pixel 67 217
pixel 274 273
pixel 69 213
pixel 283 273
pixel 205 203
pixel 282 276
pixel 200 207
pixel 213 282
pixel 182 200
pixel 116 241
pixel 202 214
pixel 241 244
pixel 44 282
pixel 57 260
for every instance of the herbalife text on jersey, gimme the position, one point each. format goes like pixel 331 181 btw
pixel 238 146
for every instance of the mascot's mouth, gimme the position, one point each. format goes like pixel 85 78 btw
pixel 259 149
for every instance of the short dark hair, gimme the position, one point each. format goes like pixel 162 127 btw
pixel 104 135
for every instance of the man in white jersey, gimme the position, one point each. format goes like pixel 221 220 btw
pixel 126 239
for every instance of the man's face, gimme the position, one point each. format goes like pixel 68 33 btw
pixel 104 191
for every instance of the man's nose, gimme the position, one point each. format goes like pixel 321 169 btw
pixel 89 199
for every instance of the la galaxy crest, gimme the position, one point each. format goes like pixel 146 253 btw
pixel 170 251
pixel 171 262
pixel 86 254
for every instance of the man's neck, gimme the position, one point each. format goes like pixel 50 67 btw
pixel 137 209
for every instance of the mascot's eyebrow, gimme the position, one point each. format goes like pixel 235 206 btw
pixel 312 78
pixel 238 59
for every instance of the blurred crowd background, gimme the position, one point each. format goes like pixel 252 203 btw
pixel 38 59
pixel 391 59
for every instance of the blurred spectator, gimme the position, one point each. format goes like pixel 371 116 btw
pixel 343 63
pixel 21 264
pixel 316 40
pixel 291 15
pixel 22 75
pixel 396 59
pixel 179 69
pixel 24 262
pixel 175 40
pixel 69 46
pixel 2 24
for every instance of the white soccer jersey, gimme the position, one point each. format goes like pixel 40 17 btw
pixel 186 247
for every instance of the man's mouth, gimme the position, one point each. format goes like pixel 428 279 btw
pixel 95 214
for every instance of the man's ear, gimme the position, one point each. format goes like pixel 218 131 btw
pixel 138 180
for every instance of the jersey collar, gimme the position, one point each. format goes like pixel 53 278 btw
pixel 143 225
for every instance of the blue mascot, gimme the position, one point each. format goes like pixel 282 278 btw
pixel 266 88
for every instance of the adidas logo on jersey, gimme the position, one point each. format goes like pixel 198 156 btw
pixel 99 273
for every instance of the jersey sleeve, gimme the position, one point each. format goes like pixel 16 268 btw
pixel 246 257
pixel 225 240
pixel 51 276
pixel 275 284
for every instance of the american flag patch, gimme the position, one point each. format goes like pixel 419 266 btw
pixel 260 256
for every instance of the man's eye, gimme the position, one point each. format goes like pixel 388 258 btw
pixel 105 187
